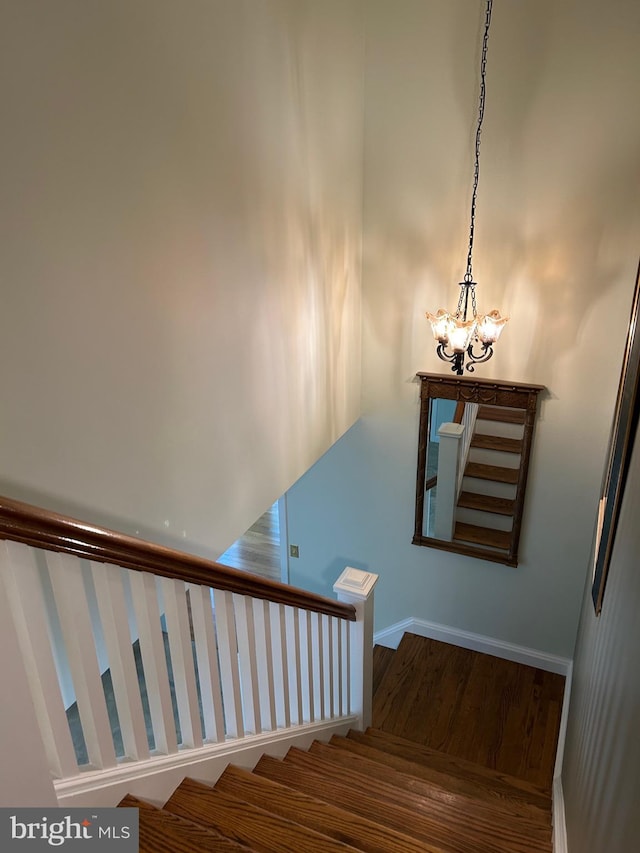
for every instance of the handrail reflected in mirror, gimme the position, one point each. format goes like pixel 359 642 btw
pixel 474 446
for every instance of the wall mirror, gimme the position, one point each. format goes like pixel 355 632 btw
pixel 474 446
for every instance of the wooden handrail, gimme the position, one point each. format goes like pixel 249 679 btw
pixel 458 415
pixel 52 531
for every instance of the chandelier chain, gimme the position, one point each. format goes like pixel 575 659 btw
pixel 464 342
pixel 476 172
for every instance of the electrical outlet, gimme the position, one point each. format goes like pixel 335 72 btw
pixel 294 551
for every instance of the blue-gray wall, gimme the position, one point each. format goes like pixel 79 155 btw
pixel 601 774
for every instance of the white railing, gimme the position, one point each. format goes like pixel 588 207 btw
pixel 194 674
pixel 453 453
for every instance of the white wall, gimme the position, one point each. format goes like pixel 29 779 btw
pixel 556 247
pixel 180 231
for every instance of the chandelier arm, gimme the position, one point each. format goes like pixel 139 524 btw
pixel 485 355
pixel 441 350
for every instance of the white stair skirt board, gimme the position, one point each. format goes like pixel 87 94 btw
pixel 157 777
pixel 391 637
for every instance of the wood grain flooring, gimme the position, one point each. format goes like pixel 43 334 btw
pixel 499 714
pixel 258 550
pixel 482 789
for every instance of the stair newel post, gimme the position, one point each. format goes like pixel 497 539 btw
pixel 356 587
pixel 449 463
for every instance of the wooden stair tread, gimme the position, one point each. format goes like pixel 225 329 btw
pixel 340 793
pixel 163 832
pixel 484 709
pixel 497 473
pixel 246 823
pixel 404 683
pixel 295 805
pixel 422 818
pixel 496 442
pixel 503 783
pixel 502 413
pixel 486 503
pixel 442 801
pixel 439 784
pixel 382 659
pixel 455 810
pixel 482 535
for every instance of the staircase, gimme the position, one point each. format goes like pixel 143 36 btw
pixel 370 791
pixel 492 484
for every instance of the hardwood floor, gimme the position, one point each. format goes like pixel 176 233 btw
pixel 500 714
pixel 258 550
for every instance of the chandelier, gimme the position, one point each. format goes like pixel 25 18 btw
pixel 465 334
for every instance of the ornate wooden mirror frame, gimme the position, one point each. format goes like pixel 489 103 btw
pixel 513 406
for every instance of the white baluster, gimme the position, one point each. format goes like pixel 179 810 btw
pixel 317 665
pixel 264 656
pixel 147 613
pixel 345 667
pixel 108 584
pixel 306 666
pixel 294 669
pixel 282 696
pixel 245 629
pixel 25 598
pixel 335 665
pixel 325 666
pixel 207 658
pixel 184 675
pixel 229 671
pixel 25 780
pixel 75 622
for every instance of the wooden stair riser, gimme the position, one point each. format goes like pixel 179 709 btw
pixel 483 519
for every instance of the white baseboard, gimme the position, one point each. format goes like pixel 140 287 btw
pixel 562 734
pixel 559 824
pixel 391 637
